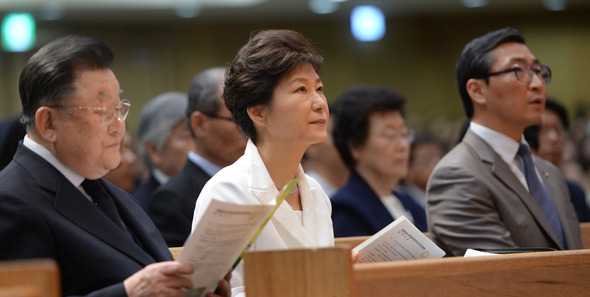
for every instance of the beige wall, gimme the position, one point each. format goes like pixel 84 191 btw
pixel 417 57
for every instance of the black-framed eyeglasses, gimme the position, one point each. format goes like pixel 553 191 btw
pixel 216 116
pixel 107 113
pixel 524 72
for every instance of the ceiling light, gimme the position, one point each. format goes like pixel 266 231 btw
pixel 51 11
pixel 474 3
pixel 18 32
pixel 323 6
pixel 367 23
pixel 554 5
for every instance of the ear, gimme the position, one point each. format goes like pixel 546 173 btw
pixel 355 150
pixel 197 122
pixel 257 114
pixel 476 89
pixel 44 122
pixel 153 153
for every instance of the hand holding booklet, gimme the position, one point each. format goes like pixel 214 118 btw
pixel 220 238
pixel 400 240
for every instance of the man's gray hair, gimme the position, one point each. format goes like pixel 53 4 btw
pixel 158 117
pixel 204 92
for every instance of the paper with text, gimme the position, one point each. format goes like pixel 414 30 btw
pixel 400 240
pixel 224 232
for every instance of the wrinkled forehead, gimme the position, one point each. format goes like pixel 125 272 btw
pixel 97 86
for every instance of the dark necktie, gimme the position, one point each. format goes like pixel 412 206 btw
pixel 103 200
pixel 539 192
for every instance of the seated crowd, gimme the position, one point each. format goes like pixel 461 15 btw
pixel 73 188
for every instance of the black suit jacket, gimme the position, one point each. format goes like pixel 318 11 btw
pixel 173 204
pixel 42 215
pixel 144 192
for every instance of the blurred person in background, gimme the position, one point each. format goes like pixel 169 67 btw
pixel 12 132
pixel 164 141
pixel 371 136
pixel 218 144
pixel 426 150
pixel 125 176
pixel 322 162
pixel 547 141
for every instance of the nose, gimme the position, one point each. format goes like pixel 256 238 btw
pixel 320 103
pixel 537 82
pixel 117 127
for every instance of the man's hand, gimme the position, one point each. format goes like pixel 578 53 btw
pixel 160 279
pixel 223 287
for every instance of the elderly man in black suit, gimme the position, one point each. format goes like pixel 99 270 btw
pixel 218 144
pixel 54 202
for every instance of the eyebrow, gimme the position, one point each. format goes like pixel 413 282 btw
pixel 519 59
pixel 301 79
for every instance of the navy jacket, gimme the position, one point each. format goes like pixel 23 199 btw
pixel 358 211
pixel 173 204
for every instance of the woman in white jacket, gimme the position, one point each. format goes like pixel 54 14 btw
pixel 276 98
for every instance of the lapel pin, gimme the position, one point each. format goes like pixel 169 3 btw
pixel 546 174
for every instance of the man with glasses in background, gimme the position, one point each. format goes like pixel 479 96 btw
pixel 218 144
pixel 54 202
pixel 488 193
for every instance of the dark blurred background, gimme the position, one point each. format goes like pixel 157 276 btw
pixel 160 44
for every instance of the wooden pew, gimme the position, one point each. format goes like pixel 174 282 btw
pixel 29 278
pixel 299 272
pixel 350 241
pixel 560 273
pixel 585 234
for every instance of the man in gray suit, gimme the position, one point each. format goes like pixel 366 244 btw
pixel 478 194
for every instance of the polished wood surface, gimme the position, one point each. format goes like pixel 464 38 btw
pixel 30 278
pixel 299 273
pixel 585 234
pixel 175 251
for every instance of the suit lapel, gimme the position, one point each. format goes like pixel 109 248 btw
pixel 262 188
pixel 71 203
pixel 367 202
pixel 139 224
pixel 504 174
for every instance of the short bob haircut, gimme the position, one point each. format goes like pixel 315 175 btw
pixel 353 109
pixel 257 69
pixel 50 74
pixel 475 62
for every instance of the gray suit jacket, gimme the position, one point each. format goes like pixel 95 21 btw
pixel 475 201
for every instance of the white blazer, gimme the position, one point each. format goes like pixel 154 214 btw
pixel 247 181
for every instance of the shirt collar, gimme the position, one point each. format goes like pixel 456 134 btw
pixel 75 178
pixel 205 164
pixel 160 176
pixel 503 145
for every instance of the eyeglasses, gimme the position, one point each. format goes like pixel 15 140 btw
pixel 107 112
pixel 524 72
pixel 216 116
pixel 397 137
